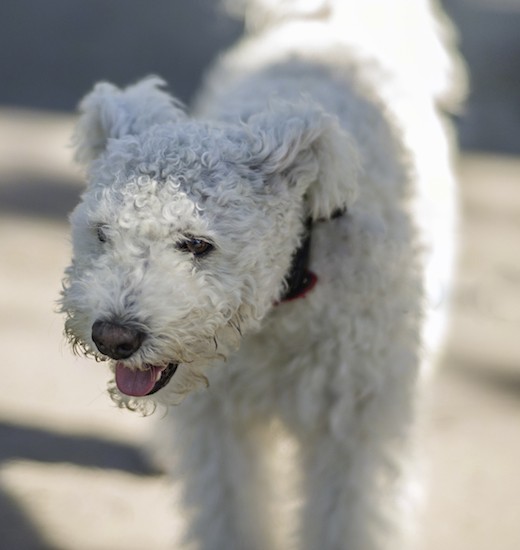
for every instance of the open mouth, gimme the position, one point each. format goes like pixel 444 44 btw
pixel 140 383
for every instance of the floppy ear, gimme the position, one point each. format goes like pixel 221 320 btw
pixel 109 112
pixel 307 147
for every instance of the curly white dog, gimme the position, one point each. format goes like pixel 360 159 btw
pixel 284 247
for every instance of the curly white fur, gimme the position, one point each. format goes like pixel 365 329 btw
pixel 299 121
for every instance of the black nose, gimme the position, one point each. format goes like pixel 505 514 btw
pixel 116 341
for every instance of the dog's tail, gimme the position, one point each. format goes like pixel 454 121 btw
pixel 412 38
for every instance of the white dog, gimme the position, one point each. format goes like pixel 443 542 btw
pixel 283 247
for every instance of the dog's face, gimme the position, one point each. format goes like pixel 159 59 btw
pixel 177 251
pixel 183 237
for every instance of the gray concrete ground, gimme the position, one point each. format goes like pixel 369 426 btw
pixel 71 473
pixel 51 53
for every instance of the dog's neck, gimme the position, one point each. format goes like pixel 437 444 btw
pixel 300 279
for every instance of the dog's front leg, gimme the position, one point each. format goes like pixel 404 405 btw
pixel 219 464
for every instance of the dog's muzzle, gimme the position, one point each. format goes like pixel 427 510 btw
pixel 118 342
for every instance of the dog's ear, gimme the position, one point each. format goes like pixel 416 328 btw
pixel 309 149
pixel 109 112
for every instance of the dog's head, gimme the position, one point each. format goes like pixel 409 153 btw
pixel 185 233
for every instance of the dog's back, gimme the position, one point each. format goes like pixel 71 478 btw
pixel 386 64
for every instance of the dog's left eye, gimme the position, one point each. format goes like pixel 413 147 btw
pixel 197 247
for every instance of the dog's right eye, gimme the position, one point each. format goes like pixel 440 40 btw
pixel 101 235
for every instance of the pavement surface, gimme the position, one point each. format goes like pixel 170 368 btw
pixel 72 474
pixel 52 52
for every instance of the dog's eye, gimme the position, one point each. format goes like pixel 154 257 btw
pixel 197 247
pixel 100 234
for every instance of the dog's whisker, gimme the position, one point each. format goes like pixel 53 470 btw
pixel 236 327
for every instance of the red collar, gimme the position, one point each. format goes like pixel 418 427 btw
pixel 307 283
pixel 300 279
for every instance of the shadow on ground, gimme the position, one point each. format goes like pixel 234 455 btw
pixel 16 531
pixel 44 446
pixel 53 199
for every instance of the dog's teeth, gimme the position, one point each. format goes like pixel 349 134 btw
pixel 158 375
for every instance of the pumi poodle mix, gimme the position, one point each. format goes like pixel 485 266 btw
pixel 277 260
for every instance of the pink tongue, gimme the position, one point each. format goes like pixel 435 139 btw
pixel 136 382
